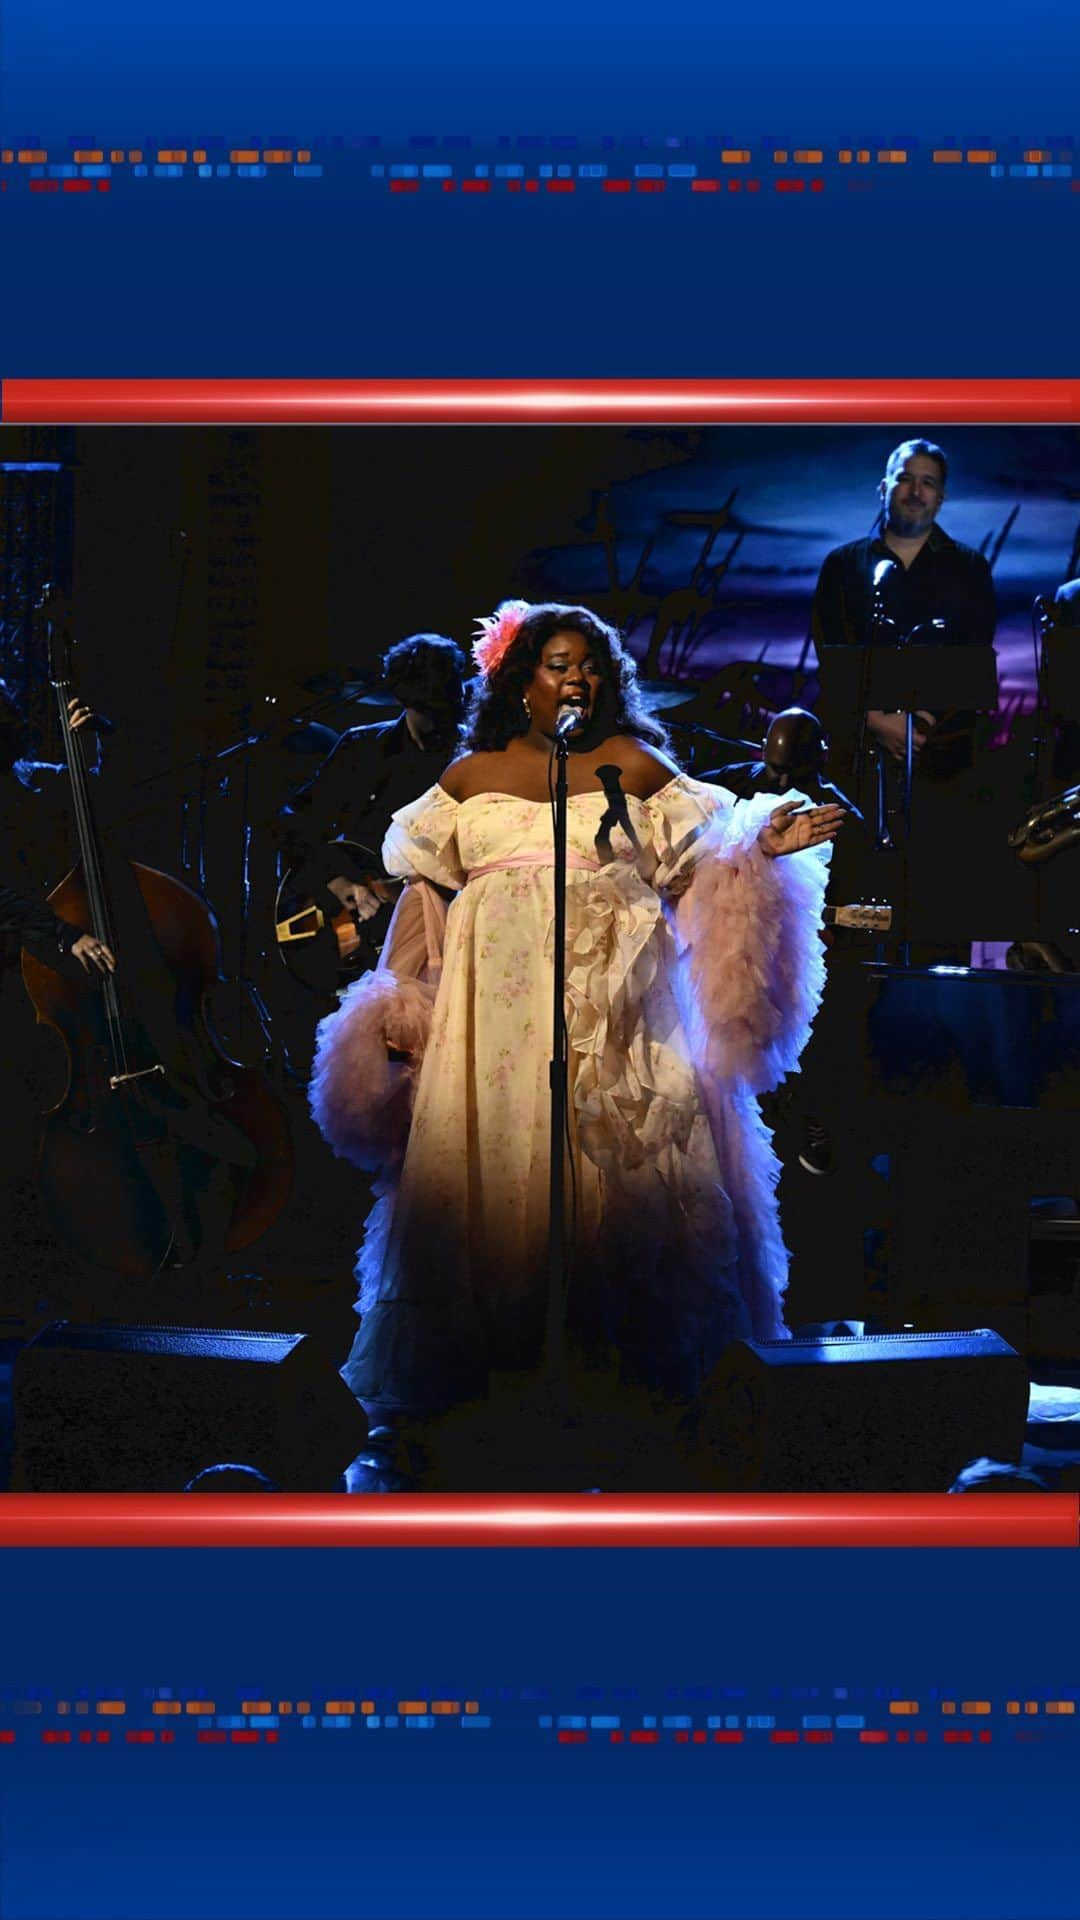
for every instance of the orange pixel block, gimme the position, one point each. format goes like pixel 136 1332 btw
pixel 947 156
pixel 735 156
pixel 809 156
pixel 244 156
pixel 110 1706
pixel 166 1706
pixel 981 156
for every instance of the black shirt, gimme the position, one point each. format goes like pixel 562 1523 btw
pixel 945 581
pixel 366 777
pixel 34 922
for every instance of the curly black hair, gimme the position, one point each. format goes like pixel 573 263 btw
pixel 497 712
pixel 427 671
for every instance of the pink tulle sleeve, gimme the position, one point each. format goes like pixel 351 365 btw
pixel 360 1095
pixel 748 931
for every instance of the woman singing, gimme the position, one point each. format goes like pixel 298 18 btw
pixel 693 971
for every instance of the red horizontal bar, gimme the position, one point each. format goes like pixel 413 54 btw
pixel 539 1520
pixel 369 401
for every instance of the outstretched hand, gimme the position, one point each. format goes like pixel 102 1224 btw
pixel 794 826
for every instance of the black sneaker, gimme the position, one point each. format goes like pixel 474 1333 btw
pixel 816 1152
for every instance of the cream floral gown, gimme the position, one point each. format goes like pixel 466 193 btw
pixel 693 970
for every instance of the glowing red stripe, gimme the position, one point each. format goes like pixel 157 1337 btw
pixel 538 1520
pixel 894 401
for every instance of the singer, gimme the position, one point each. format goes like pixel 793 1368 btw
pixel 693 971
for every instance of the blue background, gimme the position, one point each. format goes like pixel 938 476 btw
pixel 922 272
pixel 931 271
pixel 505 1821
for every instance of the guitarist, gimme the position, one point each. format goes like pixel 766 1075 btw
pixel 372 771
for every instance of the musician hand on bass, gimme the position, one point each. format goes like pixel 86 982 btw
pixel 890 731
pixel 353 894
pixel 93 955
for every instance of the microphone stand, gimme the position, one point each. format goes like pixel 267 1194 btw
pixel 555 1339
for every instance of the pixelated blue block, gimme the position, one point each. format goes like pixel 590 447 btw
pixel 403 172
pixel 391 1720
pixel 231 1720
pixel 169 171
pixel 378 172
pixel 476 1720
pixel 96 172
pixel 647 171
pixel 677 1720
pixel 682 172
pixel 205 1720
pixel 373 1720
pixel 850 1720
pixel 572 1720
pixel 62 172
pixel 563 173
pixel 604 1721
pixel 438 173
pixel 206 173
pixel 1057 173
pixel 761 1720
pixel 481 172
pixel 511 173
pixel 592 171
pixel 648 1719
pixel 419 1720
pixel 223 171
pixel 545 1720
pixel 817 1719
pixel 546 172
pixel 309 1720
pixel 336 1720
pixel 264 1720
pixel 251 173
pixel 308 173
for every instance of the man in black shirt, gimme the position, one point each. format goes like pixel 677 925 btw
pixel 931 578
pixel 372 771
pixel 39 928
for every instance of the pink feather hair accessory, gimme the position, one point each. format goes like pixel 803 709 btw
pixel 495 634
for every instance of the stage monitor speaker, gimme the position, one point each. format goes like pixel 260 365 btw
pixel 894 1412
pixel 141 1409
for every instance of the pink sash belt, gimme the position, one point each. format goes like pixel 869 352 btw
pixel 580 861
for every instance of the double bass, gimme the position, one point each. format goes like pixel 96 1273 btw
pixel 162 1149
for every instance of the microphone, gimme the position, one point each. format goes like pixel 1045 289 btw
pixel 570 720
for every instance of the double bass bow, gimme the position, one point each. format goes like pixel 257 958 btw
pixel 162 1148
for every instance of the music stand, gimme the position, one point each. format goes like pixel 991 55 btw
pixel 908 679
